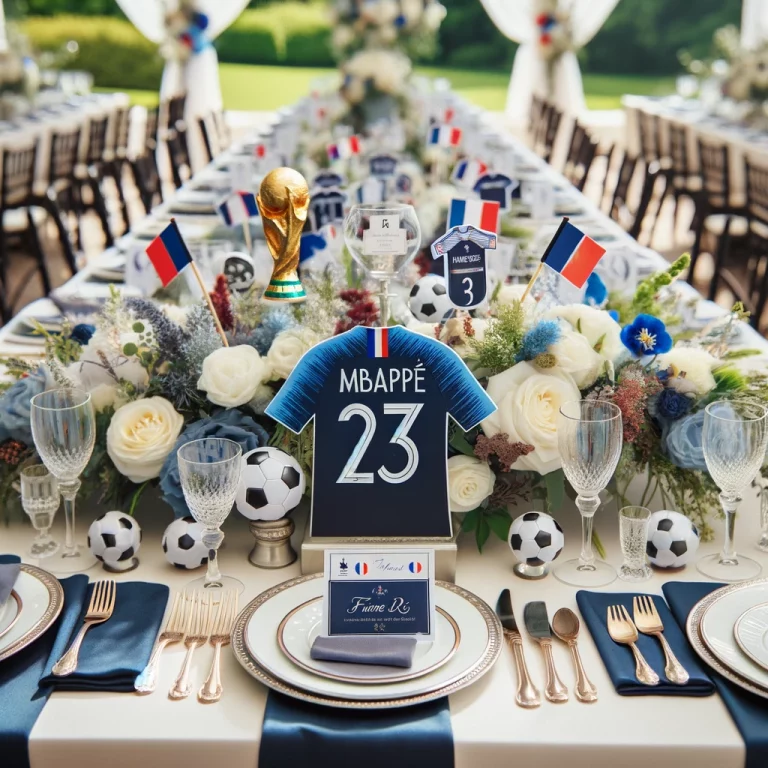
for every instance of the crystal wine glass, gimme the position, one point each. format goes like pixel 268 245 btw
pixel 64 432
pixel 209 470
pixel 589 436
pixel 382 238
pixel 734 442
pixel 40 499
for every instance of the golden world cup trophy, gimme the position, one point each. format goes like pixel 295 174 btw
pixel 284 201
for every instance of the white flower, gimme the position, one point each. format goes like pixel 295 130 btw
pixel 595 324
pixel 697 364
pixel 141 435
pixel 575 355
pixel 425 329
pixel 470 482
pixel 354 91
pixel 286 350
pixel 231 375
pixel 342 36
pixel 104 396
pixel 176 314
pixel 454 333
pixel 528 402
pixel 434 15
pixel 514 292
pixel 90 370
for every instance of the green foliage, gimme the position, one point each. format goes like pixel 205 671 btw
pixel 484 521
pixel 300 446
pixel 502 341
pixel 555 485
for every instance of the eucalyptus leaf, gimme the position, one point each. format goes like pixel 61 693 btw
pixel 555 482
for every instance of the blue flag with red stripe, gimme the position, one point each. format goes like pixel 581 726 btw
pixel 169 253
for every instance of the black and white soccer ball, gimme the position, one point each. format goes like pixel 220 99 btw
pixel 429 300
pixel 239 270
pixel 271 485
pixel 183 544
pixel 114 539
pixel 672 539
pixel 536 538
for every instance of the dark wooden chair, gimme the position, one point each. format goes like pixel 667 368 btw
pixel 554 117
pixel 144 166
pixel 634 219
pixel 535 117
pixel 202 123
pixel 175 136
pixel 115 159
pixel 578 136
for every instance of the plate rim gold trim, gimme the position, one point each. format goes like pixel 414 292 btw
pixel 739 642
pixel 19 605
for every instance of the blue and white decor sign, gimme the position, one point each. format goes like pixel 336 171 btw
pixel 380 399
pixel 379 592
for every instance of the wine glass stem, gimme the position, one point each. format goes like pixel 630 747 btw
pixel 730 504
pixel 212 538
pixel 587 506
pixel 384 302
pixel 68 493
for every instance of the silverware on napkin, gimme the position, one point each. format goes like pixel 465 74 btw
pixel 648 621
pixel 623 631
pixel 527 695
pixel 173 632
pixel 537 624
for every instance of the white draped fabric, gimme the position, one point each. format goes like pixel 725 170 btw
pixel 754 22
pixel 199 76
pixel 515 19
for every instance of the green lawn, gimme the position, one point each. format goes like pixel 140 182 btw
pixel 247 87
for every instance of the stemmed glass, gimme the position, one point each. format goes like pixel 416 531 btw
pixel 734 442
pixel 589 437
pixel 209 470
pixel 382 238
pixel 40 499
pixel 64 432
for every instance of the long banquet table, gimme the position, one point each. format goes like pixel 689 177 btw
pixel 89 730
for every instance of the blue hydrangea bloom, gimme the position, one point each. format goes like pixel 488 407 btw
pixel 596 294
pixel 539 339
pixel 646 335
pixel 82 333
pixel 15 407
pixel 683 442
pixel 273 322
pixel 230 424
pixel 672 405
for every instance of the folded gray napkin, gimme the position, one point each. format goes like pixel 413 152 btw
pixel 9 572
pixel 383 650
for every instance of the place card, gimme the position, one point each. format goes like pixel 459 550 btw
pixel 241 174
pixel 541 195
pixel 384 237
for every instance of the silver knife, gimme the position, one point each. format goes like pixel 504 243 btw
pixel 527 694
pixel 537 624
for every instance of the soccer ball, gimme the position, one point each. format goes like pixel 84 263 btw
pixel 114 539
pixel 535 539
pixel 672 539
pixel 271 485
pixel 183 544
pixel 429 300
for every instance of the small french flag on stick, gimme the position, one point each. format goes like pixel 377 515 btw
pixel 467 172
pixel 483 214
pixel 444 136
pixel 572 254
pixel 238 208
pixel 260 151
pixel 344 148
pixel 169 253
pixel 378 342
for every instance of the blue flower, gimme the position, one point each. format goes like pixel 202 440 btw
pixel 646 335
pixel 597 293
pixel 82 333
pixel 683 442
pixel 15 407
pixel 230 424
pixel 671 404
pixel 614 314
pixel 539 339
pixel 400 21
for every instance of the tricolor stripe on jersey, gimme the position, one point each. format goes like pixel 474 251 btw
pixel 378 342
pixel 483 214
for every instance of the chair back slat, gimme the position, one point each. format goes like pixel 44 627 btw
pixel 18 174
pixel 623 180
pixel 648 137
pixel 150 128
pixel 122 132
pixel 587 154
pixel 64 154
pixel 550 134
pixel 715 177
pixel 678 150
pixel 97 140
pixel 757 191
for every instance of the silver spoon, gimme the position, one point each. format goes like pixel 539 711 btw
pixel 565 625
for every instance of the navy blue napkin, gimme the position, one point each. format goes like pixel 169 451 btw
pixel 20 699
pixel 298 733
pixel 619 660
pixel 113 653
pixel 749 712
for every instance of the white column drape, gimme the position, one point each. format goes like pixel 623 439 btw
pixel 754 23
pixel 199 75
pixel 515 20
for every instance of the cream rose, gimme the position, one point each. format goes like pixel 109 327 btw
pixel 528 402
pixel 697 364
pixel 286 350
pixel 575 355
pixel 141 435
pixel 231 375
pixel 470 482
pixel 594 324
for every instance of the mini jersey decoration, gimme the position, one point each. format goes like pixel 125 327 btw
pixel 466 273
pixel 382 166
pixel 326 207
pixel 328 179
pixel 497 187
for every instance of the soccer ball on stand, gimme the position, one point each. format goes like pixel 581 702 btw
pixel 536 540
pixel 114 539
pixel 672 539
pixel 429 300
pixel 183 544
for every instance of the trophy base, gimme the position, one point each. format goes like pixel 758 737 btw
pixel 290 291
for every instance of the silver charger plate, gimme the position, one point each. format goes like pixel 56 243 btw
pixel 471 673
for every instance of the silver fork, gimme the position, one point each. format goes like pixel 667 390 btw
pixel 173 632
pixel 649 622
pixel 622 630
pixel 220 632
pixel 99 610
pixel 197 631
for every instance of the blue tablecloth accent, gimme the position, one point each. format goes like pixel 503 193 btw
pixel 298 734
pixel 113 653
pixel 619 660
pixel 749 712
pixel 20 699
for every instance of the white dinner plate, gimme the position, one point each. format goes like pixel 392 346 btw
pixel 751 633
pixel 303 625
pixel 10 611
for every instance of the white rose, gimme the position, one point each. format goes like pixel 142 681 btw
pixel 697 364
pixel 141 435
pixel 104 396
pixel 90 371
pixel 231 375
pixel 454 333
pixel 470 482
pixel 575 355
pixel 286 350
pixel 528 402
pixel 595 324
pixel 514 292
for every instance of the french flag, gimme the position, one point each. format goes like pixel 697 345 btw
pixel 260 151
pixel 467 172
pixel 415 567
pixel 169 253
pixel 378 342
pixel 361 569
pixel 238 208
pixel 573 254
pixel 344 148
pixel 483 214
pixel 444 136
